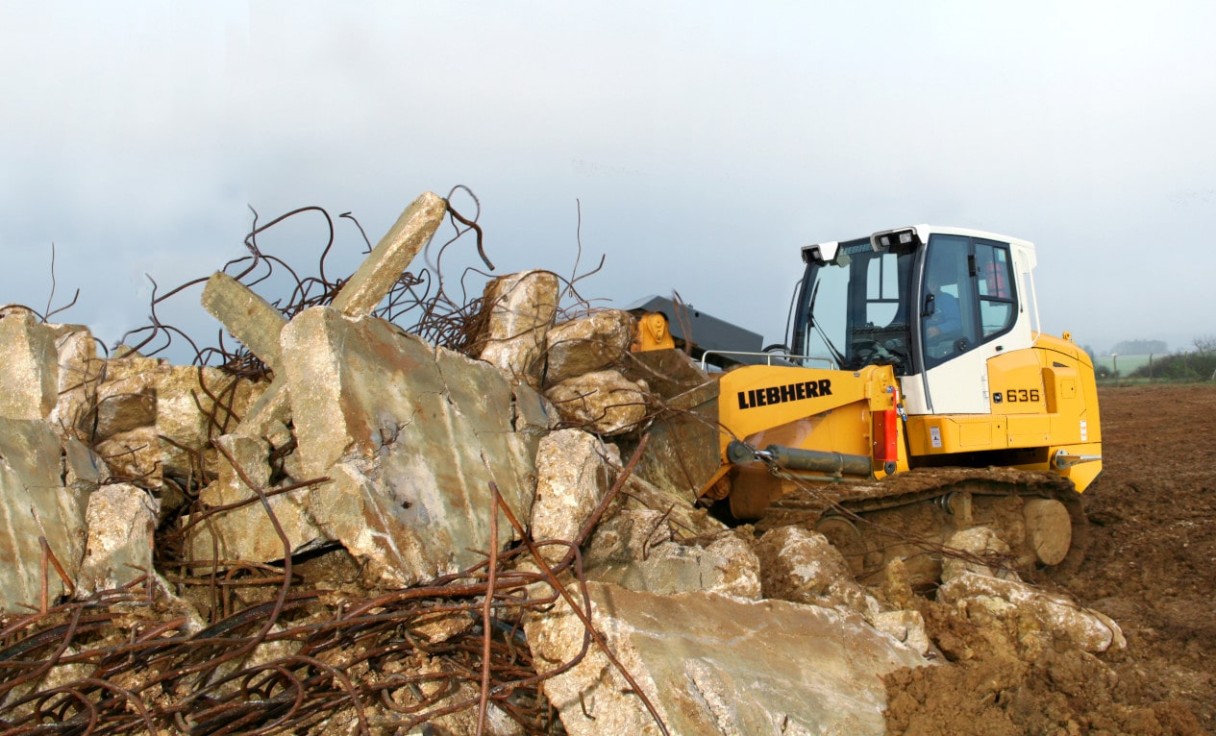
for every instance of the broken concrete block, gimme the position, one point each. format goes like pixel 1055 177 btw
pixel 573 472
pixel 256 323
pixel 83 468
pixel 242 456
pixel 802 566
pixel 121 422
pixel 669 373
pixel 29 373
pixel 533 416
pixel 118 413
pixel 79 372
pixel 121 520
pixel 682 452
pixel 971 548
pixel 125 397
pixel 247 316
pixel 33 504
pixel 684 518
pixel 316 367
pixel 363 386
pixel 597 341
pixel 603 402
pixel 726 566
pixel 390 258
pixel 412 436
pixel 128 365
pixel 1012 601
pixel 998 593
pixel 370 284
pixel 896 585
pixel 906 627
pixel 518 309
pixel 625 536
pixel 361 508
pixel 271 410
pixel 246 532
pixel 185 406
pixel 193 406
pixel 715 664
pixel 134 456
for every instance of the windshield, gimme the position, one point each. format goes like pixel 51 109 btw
pixel 854 310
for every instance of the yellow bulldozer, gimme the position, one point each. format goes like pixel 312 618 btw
pixel 918 396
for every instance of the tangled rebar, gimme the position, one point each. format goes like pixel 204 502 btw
pixel 275 652
pixel 421 295
pixel 129 660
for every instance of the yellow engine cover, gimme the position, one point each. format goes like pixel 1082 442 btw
pixel 1043 416
pixel 1043 408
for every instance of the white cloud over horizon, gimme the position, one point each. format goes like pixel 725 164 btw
pixel 706 142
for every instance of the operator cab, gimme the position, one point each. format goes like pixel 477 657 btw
pixel 920 299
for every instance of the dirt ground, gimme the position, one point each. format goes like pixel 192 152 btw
pixel 1151 566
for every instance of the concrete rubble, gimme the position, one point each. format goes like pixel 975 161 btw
pixel 982 592
pixel 579 346
pixel 411 437
pixel 404 462
pixel 710 663
pixel 39 515
pixel 687 418
pixel 725 565
pixel 802 566
pixel 574 471
pixel 518 310
pixel 603 402
pixel 29 384
pixel 120 519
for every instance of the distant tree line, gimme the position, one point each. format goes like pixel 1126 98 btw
pixel 1198 364
pixel 1139 347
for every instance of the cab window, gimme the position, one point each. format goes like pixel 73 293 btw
pixel 967 297
pixel 998 310
pixel 882 289
pixel 948 324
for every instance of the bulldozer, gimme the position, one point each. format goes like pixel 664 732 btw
pixel 918 396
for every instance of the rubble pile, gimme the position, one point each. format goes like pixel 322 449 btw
pixel 382 533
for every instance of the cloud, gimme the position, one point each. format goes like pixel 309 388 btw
pixel 706 142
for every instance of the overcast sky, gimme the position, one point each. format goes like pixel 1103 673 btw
pixel 706 141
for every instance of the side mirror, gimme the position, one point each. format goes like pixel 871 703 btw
pixel 930 306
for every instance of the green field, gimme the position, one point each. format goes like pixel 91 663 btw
pixel 1127 364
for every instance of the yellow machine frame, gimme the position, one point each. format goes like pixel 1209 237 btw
pixel 1051 424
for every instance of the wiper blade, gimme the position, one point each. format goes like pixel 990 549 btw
pixel 836 354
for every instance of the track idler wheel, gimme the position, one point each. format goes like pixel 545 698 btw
pixel 852 544
pixel 1048 529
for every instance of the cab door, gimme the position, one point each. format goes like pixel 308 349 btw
pixel 969 313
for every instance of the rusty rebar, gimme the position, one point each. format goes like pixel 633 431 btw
pixel 272 655
pixel 123 668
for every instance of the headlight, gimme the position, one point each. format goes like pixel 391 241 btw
pixel 900 239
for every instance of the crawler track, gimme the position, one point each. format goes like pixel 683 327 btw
pixel 912 515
